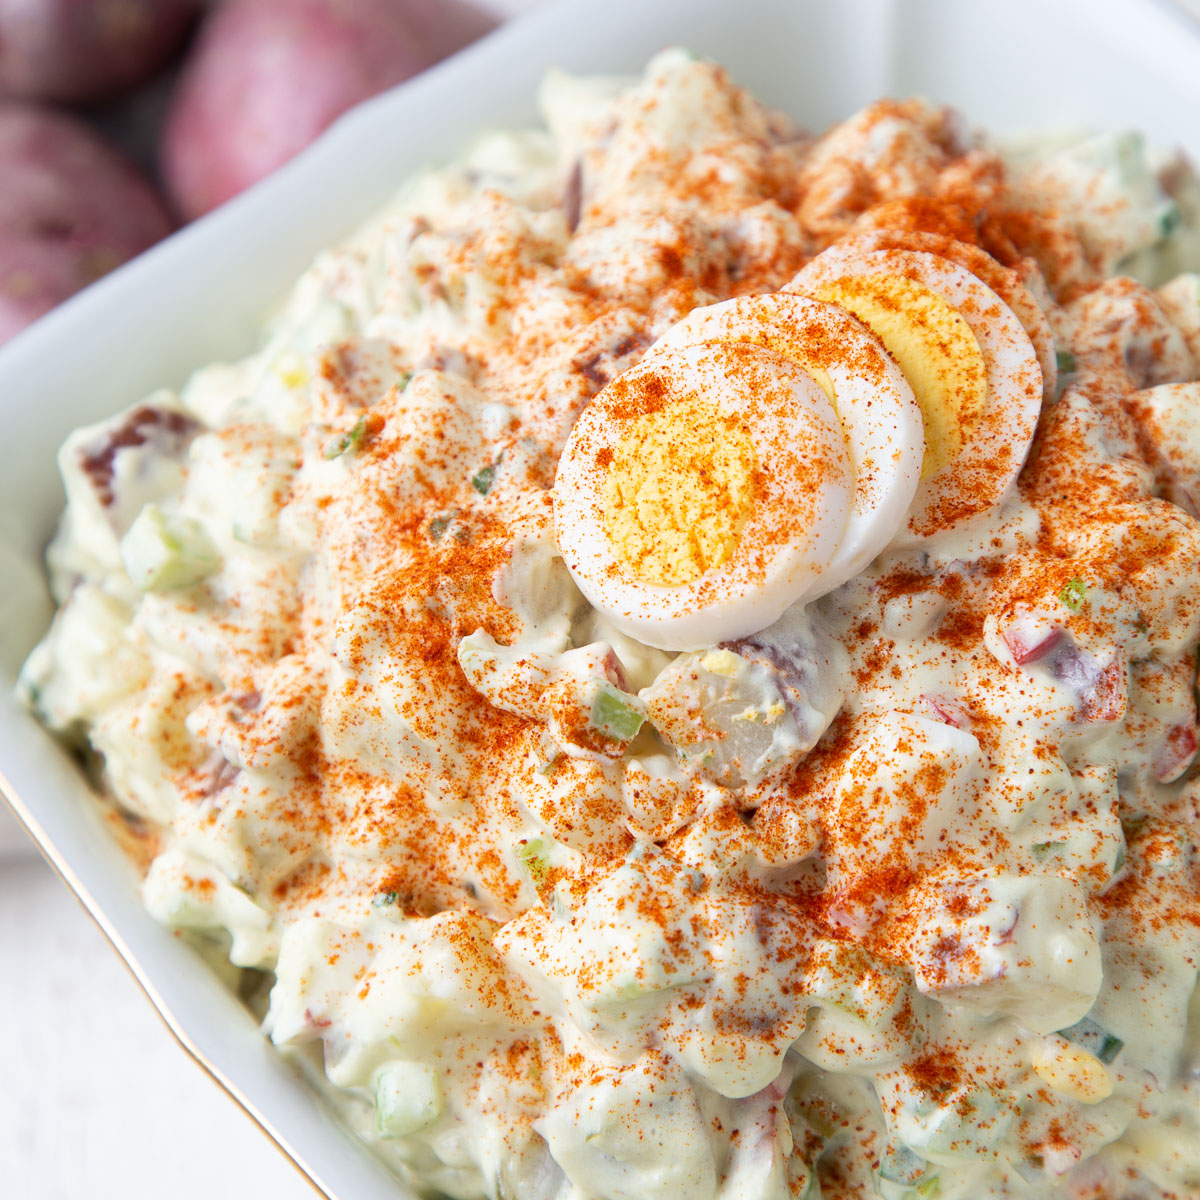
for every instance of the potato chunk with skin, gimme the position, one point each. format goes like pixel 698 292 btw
pixel 1021 946
pixel 905 782
pixel 638 1126
pixel 748 710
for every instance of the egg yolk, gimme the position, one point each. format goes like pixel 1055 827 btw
pixel 934 347
pixel 681 483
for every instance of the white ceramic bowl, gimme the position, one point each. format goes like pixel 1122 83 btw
pixel 1010 64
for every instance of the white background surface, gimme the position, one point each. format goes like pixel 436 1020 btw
pixel 97 1099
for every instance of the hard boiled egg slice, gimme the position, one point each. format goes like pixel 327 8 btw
pixel 1005 282
pixel 702 493
pixel 880 419
pixel 971 365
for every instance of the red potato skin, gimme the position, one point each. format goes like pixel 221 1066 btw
pixel 72 209
pixel 81 51
pixel 267 76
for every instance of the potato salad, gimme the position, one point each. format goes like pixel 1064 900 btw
pixel 671 672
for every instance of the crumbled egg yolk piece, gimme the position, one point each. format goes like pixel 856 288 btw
pixel 820 377
pixel 680 486
pixel 721 662
pixel 935 348
pixel 292 371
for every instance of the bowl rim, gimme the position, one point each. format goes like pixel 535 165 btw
pixel 555 22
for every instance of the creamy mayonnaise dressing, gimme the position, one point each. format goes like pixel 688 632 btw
pixel 899 896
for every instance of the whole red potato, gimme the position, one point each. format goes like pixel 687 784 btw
pixel 73 209
pixel 74 51
pixel 267 76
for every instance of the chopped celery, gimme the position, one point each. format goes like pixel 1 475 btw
pixel 403 380
pixel 636 989
pixel 163 552
pixel 616 714
pixel 959 1123
pixel 346 442
pixel 1116 200
pixel 900 1164
pixel 1095 1039
pixel 849 979
pixel 1065 361
pixel 1044 850
pixel 407 1098
pixel 1073 593
pixel 535 858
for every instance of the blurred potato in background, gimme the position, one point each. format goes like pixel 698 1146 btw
pixel 202 98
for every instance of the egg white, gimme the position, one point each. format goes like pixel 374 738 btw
pixel 985 470
pixel 1008 284
pixel 805 493
pixel 880 419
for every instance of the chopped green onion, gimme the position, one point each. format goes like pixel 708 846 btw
pixel 1065 361
pixel 385 898
pixel 483 479
pixel 1045 850
pixel 163 552
pixel 1094 1038
pixel 403 380
pixel 1073 593
pixel 339 445
pixel 439 525
pixel 616 714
